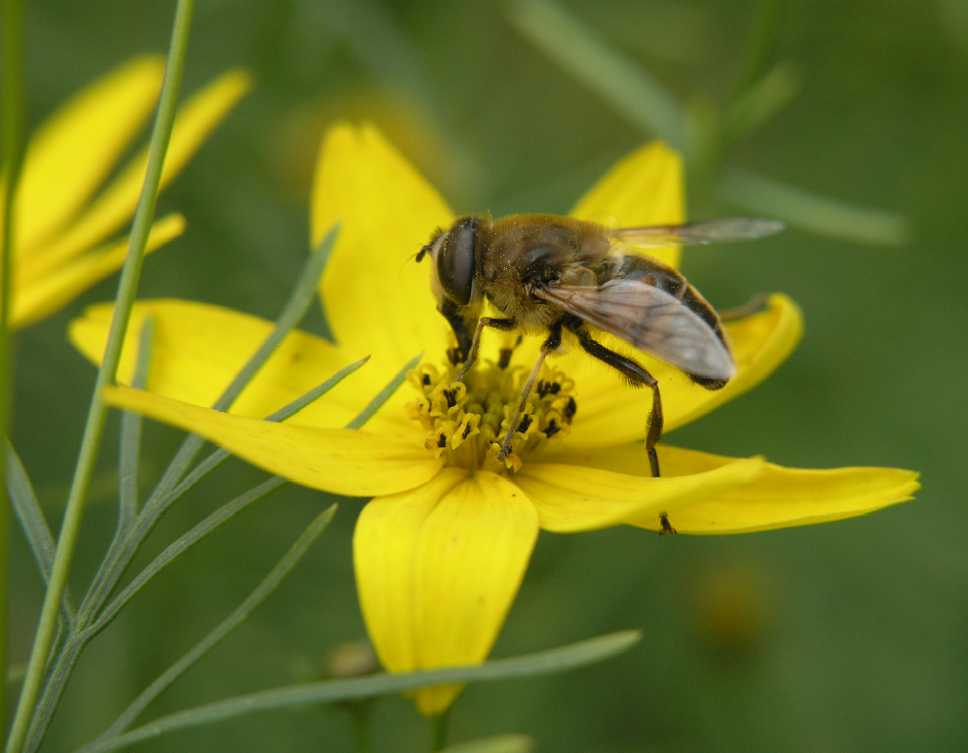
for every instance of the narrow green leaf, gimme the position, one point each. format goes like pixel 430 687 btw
pixel 128 467
pixel 626 85
pixel 28 511
pixel 291 409
pixel 294 311
pixel 31 516
pixel 63 664
pixel 269 584
pixel 128 463
pixel 498 744
pixel 233 508
pixel 178 547
pixel 160 499
pixel 819 214
pixel 217 457
pixel 385 394
pixel 544 662
pixel 131 435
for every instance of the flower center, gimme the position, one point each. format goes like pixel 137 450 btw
pixel 466 421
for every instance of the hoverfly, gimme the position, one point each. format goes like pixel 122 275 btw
pixel 550 273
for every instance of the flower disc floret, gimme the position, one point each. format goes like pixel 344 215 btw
pixel 465 421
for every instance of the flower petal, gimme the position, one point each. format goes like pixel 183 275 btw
pixel 198 349
pixel 36 298
pixel 341 461
pixel 376 296
pixel 777 497
pixel 384 551
pixel 643 188
pixel 76 147
pixel 610 414
pixel 442 564
pixel 196 119
pixel 574 497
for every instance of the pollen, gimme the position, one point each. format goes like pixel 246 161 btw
pixel 465 421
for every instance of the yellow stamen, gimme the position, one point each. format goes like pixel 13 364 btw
pixel 466 421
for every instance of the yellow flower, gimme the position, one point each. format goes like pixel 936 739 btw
pixel 61 231
pixel 441 549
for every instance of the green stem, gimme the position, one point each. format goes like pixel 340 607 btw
pixel 94 428
pixel 12 125
pixel 441 722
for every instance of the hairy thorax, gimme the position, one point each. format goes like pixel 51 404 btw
pixel 526 251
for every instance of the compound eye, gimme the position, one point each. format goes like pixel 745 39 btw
pixel 455 261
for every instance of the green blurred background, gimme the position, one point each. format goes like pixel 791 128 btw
pixel 850 636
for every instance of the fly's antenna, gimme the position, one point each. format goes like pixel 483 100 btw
pixel 428 247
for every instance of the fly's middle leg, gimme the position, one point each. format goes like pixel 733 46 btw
pixel 550 345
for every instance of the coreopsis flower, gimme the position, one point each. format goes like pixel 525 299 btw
pixel 443 545
pixel 61 227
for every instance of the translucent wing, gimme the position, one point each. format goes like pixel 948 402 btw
pixel 649 319
pixel 698 233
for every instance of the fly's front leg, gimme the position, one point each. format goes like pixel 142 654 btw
pixel 504 359
pixel 550 345
pixel 452 313
pixel 484 321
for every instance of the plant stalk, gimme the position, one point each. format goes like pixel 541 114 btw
pixel 94 428
pixel 12 125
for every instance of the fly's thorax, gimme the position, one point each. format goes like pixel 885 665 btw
pixel 538 247
pixel 528 250
pixel 465 421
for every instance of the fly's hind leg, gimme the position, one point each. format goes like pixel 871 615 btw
pixel 550 345
pixel 637 376
pixel 665 527
pixel 754 305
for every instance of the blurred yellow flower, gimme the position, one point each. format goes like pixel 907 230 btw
pixel 442 548
pixel 60 230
